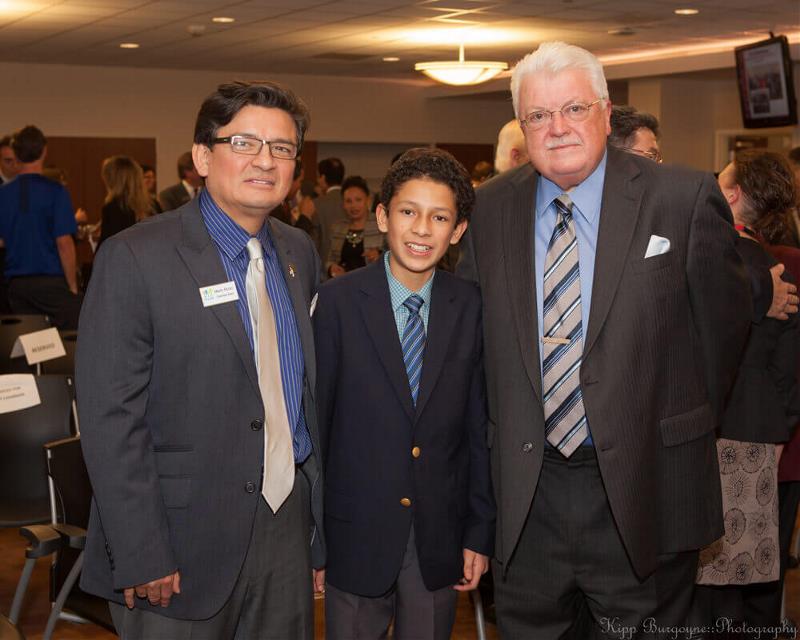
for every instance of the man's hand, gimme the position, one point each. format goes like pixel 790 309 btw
pixel 371 255
pixel 157 591
pixel 784 295
pixel 335 270
pixel 475 565
pixel 318 575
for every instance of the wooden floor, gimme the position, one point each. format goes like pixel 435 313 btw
pixel 37 605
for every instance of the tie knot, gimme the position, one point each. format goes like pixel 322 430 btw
pixel 564 205
pixel 254 249
pixel 413 303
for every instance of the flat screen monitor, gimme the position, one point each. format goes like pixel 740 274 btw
pixel 766 85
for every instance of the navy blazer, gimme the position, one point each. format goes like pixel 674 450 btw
pixel 371 432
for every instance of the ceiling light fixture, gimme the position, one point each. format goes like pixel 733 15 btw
pixel 391 59
pixel 129 45
pixel 461 72
pixel 223 19
pixel 687 12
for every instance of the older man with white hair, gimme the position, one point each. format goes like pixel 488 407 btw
pixel 511 151
pixel 615 310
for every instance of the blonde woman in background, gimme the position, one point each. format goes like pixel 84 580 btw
pixel 127 201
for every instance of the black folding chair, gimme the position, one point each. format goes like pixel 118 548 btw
pixel 24 487
pixel 11 327
pixel 72 494
pixel 65 365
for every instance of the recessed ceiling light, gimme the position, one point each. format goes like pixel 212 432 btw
pixel 622 31
pixel 687 12
pixel 129 45
pixel 391 59
pixel 223 19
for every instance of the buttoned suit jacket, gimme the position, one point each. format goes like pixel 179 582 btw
pixel 174 197
pixel 664 337
pixel 170 408
pixel 369 426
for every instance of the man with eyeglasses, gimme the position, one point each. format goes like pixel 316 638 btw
pixel 615 310
pixel 635 131
pixel 195 367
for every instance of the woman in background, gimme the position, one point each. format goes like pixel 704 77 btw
pixel 127 201
pixel 761 413
pixel 355 241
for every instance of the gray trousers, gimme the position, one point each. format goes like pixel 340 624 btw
pixel 273 596
pixel 418 614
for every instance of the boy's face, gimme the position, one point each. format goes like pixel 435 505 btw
pixel 419 226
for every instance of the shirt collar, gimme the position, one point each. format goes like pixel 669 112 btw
pixel 587 196
pixel 228 235
pixel 399 292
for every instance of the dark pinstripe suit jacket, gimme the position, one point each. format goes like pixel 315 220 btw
pixel 167 394
pixel 664 338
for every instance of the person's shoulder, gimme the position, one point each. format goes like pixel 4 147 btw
pixel 465 290
pixel 506 181
pixel 352 280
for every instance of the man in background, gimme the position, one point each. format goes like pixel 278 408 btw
pixel 635 131
pixel 8 161
pixel 511 150
pixel 37 222
pixel 188 187
pixel 329 203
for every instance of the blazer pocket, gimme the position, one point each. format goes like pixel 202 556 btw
pixel 338 506
pixel 175 491
pixel 653 263
pixel 688 426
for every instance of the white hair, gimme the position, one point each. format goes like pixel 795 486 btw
pixel 552 57
pixel 509 138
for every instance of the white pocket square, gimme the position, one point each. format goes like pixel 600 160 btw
pixel 657 246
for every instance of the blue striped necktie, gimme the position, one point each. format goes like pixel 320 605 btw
pixel 413 343
pixel 562 348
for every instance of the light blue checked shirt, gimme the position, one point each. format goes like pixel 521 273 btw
pixel 231 241
pixel 587 199
pixel 398 293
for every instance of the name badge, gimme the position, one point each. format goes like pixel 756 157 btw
pixel 39 346
pixel 18 391
pixel 219 293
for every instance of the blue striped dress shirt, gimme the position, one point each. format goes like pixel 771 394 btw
pixel 231 241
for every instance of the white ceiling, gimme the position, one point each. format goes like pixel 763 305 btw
pixel 350 37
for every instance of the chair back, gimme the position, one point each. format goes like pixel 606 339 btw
pixel 65 365
pixel 24 489
pixel 11 327
pixel 72 496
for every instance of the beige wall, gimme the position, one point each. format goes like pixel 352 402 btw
pixel 160 103
pixel 692 108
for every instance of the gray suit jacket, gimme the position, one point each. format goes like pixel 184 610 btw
pixel 664 339
pixel 168 394
pixel 173 197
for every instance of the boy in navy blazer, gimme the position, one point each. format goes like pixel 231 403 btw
pixel 409 509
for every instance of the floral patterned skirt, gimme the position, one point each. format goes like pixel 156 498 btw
pixel 748 551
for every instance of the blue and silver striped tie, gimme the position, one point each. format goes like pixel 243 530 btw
pixel 413 343
pixel 562 349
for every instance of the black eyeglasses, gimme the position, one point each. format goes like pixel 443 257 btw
pixel 250 146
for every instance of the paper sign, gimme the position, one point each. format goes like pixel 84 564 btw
pixel 219 293
pixel 18 391
pixel 39 346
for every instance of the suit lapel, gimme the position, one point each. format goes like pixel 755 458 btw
pixel 300 305
pixel 622 196
pixel 518 230
pixel 376 308
pixel 441 322
pixel 202 260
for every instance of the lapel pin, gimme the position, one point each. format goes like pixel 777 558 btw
pixel 291 270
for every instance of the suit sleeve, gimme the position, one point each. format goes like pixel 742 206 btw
pixel 113 366
pixel 783 369
pixel 761 288
pixel 480 527
pixel 719 291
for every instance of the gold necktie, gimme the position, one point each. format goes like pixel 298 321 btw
pixel 278 451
